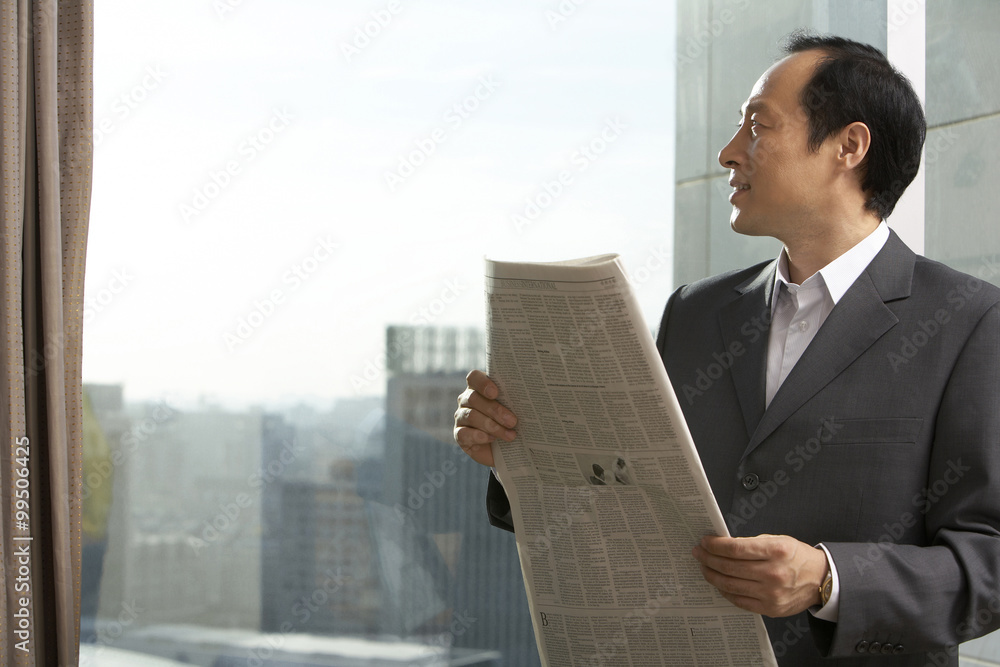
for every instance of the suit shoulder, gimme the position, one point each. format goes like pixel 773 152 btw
pixel 939 281
pixel 721 286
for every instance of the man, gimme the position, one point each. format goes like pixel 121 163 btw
pixel 853 443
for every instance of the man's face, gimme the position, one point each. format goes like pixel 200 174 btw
pixel 780 186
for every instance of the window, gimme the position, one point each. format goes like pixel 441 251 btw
pixel 291 206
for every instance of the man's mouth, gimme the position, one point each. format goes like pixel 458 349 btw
pixel 738 190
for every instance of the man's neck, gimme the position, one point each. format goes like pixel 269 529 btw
pixel 808 255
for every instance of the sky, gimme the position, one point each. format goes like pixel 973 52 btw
pixel 275 183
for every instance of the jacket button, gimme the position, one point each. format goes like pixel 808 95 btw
pixel 874 647
pixel 750 481
pixel 862 646
pixel 887 649
pixel 898 648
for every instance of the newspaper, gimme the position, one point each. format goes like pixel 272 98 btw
pixel 607 492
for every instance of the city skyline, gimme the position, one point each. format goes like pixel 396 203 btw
pixel 351 523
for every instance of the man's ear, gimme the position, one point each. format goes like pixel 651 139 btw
pixel 855 140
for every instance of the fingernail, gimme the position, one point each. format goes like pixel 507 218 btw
pixel 509 420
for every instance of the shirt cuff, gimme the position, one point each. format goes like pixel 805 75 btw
pixel 831 610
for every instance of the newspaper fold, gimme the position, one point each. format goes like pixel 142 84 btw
pixel 607 492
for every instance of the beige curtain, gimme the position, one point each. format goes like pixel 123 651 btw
pixel 46 84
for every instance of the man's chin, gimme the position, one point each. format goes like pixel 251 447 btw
pixel 741 225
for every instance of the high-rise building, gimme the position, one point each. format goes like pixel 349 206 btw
pixel 462 582
pixel 184 531
pixel 319 576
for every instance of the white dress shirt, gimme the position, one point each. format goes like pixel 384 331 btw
pixel 797 313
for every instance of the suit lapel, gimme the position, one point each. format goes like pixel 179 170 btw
pixel 858 320
pixel 747 318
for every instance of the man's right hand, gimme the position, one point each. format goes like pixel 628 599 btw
pixel 480 419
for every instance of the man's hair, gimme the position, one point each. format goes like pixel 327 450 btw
pixel 855 82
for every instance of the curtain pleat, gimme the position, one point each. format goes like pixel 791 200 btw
pixel 46 82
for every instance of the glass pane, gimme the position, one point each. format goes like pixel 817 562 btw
pixel 291 206
pixel 963 118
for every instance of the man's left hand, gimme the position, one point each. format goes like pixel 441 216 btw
pixel 773 575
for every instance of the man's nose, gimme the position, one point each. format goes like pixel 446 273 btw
pixel 731 154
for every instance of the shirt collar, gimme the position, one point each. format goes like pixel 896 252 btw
pixel 837 276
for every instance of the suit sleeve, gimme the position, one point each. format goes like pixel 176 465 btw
pixel 947 591
pixel 497 505
pixel 661 334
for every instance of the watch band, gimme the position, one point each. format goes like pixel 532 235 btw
pixel 826 588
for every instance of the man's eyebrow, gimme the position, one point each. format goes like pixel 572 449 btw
pixel 752 107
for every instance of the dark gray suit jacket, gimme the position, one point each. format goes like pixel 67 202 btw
pixel 883 443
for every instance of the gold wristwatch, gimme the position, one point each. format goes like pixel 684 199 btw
pixel 826 588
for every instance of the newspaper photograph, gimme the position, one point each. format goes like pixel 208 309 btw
pixel 607 491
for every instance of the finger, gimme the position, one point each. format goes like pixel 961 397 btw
pixel 498 414
pixel 749 604
pixel 480 420
pixel 740 548
pixel 470 441
pixel 481 382
pixel 733 587
pixel 729 567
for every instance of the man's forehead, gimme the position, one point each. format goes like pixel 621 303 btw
pixel 779 86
